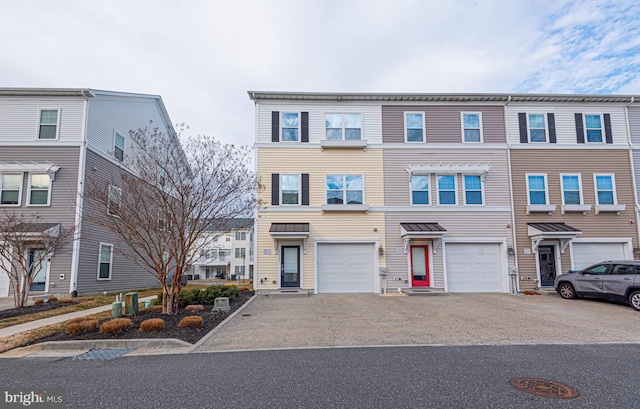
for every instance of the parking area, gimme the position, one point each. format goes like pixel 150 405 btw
pixel 341 320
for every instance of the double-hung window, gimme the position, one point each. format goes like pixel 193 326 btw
pixel 605 190
pixel 239 270
pixel 571 189
pixel 241 252
pixel 105 259
pixel 593 128
pixel 447 190
pixel 537 190
pixel 343 126
pixel 472 190
pixel 162 177
pixel 118 146
pixel 48 124
pixel 420 189
pixel 290 125
pixel 471 127
pixel 537 128
pixel 241 235
pixel 414 126
pixel 290 189
pixel 114 200
pixel 345 189
pixel 10 189
pixel 39 189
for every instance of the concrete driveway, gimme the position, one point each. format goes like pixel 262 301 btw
pixel 338 320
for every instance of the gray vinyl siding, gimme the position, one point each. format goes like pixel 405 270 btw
pixel 443 123
pixel 63 200
pixel 572 161
pixel 125 275
pixel 634 123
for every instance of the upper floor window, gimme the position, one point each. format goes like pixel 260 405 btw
pixel 537 128
pixel 10 189
pixel 420 189
pixel 118 147
pixel 290 189
pixel 227 238
pixel 447 190
pixel 290 124
pixel 345 189
pixel 162 177
pixel 343 126
pixel 571 189
pixel 414 126
pixel 593 127
pixel 472 127
pixel 39 189
pixel 114 200
pixel 104 261
pixel 241 252
pixel 241 235
pixel 161 220
pixel 537 189
pixel 48 125
pixel 472 190
pixel 605 190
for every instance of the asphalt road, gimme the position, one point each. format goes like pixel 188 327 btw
pixel 387 377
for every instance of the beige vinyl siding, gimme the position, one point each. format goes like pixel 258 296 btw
pixel 565 120
pixel 354 226
pixel 20 118
pixel 571 161
pixel 397 179
pixel 317 164
pixel 371 119
pixel 443 123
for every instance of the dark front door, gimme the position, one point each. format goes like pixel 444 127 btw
pixel 547 263
pixel 290 266
pixel 37 269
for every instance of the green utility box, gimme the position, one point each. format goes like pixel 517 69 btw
pixel 130 304
pixel 116 309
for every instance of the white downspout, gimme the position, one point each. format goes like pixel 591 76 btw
pixel 513 211
pixel 636 206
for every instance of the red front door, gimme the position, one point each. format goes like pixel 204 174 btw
pixel 419 266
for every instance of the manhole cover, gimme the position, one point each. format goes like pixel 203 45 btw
pixel 544 387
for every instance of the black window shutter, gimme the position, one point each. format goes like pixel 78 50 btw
pixel 304 121
pixel 275 189
pixel 579 128
pixel 607 128
pixel 305 189
pixel 275 126
pixel 522 124
pixel 551 119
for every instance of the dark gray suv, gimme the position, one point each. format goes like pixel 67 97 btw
pixel 617 280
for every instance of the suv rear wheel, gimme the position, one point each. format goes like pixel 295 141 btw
pixel 634 300
pixel 567 292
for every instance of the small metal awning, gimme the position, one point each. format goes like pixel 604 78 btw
pixel 410 231
pixel 280 231
pixel 552 231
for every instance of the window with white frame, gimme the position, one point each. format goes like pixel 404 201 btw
pixel 343 126
pixel 48 124
pixel 290 189
pixel 162 177
pixel 571 189
pixel 420 189
pixel 118 147
pixel 10 189
pixel 114 200
pixel 447 190
pixel 240 252
pixel 227 238
pixel 241 235
pixel 472 190
pixel 239 270
pixel 345 189
pixel 39 189
pixel 105 259
pixel 537 128
pixel 290 126
pixel 537 189
pixel 471 126
pixel 605 190
pixel 593 128
pixel 414 126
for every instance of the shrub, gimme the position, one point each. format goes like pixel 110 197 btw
pixel 153 324
pixel 187 297
pixel 116 325
pixel 193 321
pixel 194 308
pixel 38 301
pixel 52 299
pixel 65 300
pixel 154 308
pixel 209 294
pixel 80 325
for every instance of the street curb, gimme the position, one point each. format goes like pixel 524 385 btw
pixel 222 324
pixel 97 344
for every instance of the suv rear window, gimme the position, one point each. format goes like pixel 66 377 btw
pixel 623 269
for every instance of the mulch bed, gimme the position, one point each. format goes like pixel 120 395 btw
pixel 171 330
pixel 32 309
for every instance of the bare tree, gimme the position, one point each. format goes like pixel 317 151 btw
pixel 172 194
pixel 26 244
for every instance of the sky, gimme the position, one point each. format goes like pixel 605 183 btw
pixel 202 57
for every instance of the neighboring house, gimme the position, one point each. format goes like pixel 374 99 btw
pixel 225 254
pixel 54 143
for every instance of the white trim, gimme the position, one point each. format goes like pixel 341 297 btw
pixel 546 127
pixel 558 259
pixel 344 190
pixel 299 176
pixel 110 261
pixel 602 131
pixel 407 208
pixel 561 146
pixel 59 109
pixel 462 114
pixel 75 252
pixel 613 188
pixel 429 198
pixel 124 144
pixel 562 189
pixel 546 187
pixel 28 204
pixel 625 241
pixel 299 113
pixel 21 175
pixel 449 168
pixel 455 189
pixel 377 286
pixel 464 192
pixel 424 127
pixel 279 254
pixel 47 267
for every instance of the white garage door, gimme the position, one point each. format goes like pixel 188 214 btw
pixel 586 254
pixel 4 278
pixel 346 268
pixel 473 267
